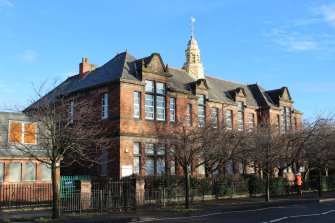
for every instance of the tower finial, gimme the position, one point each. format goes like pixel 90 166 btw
pixel 192 25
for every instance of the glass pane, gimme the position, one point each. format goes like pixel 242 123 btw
pixel 160 88
pixel 15 174
pixel 104 105
pixel 137 105
pixel 136 148
pixel 149 106
pixel 229 124
pixel 201 116
pixel 29 172
pixel 104 162
pixel 136 165
pixel 240 105
pixel 45 172
pixel 173 167
pixel 229 167
pixel 201 99
pixel 149 86
pixel 160 166
pixel 2 172
pixel 172 109
pixel 240 120
pixel 30 133
pixel 160 150
pixel 149 166
pixel 160 107
pixel 214 113
pixel 15 132
pixel 149 149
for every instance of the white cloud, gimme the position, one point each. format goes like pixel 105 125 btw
pixel 293 40
pixel 28 56
pixel 6 4
pixel 327 13
pixel 304 34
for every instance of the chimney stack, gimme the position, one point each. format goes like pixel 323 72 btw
pixel 85 67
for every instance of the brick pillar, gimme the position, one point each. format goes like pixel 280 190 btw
pixel 84 187
pixel 139 190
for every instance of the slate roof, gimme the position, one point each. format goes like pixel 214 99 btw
pixel 125 66
pixel 122 66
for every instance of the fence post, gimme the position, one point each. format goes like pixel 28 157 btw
pixel 100 197
pixel 84 187
pixel 139 191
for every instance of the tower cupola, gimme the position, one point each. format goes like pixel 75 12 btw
pixel 193 64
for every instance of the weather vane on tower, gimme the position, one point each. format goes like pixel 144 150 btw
pixel 192 26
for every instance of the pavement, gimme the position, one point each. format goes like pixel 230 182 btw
pixel 152 212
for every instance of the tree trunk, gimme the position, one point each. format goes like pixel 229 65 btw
pixel 320 182
pixel 267 188
pixel 55 192
pixel 187 187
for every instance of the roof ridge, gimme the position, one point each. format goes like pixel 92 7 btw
pixel 218 78
pixel 175 68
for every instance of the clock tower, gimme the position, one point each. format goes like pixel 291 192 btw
pixel 193 65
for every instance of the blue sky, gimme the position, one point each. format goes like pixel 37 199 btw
pixel 274 43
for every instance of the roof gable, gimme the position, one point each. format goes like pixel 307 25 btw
pixel 154 64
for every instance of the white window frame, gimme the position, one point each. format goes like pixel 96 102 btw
pixel 156 154
pixel 160 88
pixel 137 104
pixel 160 110
pixel 149 86
pixel 215 119
pixel 23 123
pixel 137 156
pixel 25 172
pixel 104 105
pixel 155 100
pixel 251 121
pixel 10 172
pixel 45 167
pixel 172 109
pixel 201 115
pixel 2 172
pixel 240 121
pixel 229 119
pixel 71 111
pixel 149 107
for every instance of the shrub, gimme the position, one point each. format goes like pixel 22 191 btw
pixel 255 185
pixel 278 186
pixel 201 185
pixel 224 186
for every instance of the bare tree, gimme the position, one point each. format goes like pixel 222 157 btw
pixel 68 130
pixel 319 149
pixel 267 152
pixel 190 146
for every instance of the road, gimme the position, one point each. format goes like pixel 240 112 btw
pixel 306 213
